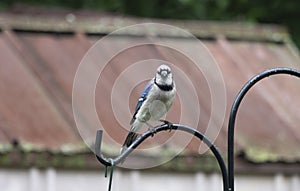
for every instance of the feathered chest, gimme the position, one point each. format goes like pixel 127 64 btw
pixel 162 95
pixel 156 103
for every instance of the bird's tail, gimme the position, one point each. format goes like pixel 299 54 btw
pixel 129 140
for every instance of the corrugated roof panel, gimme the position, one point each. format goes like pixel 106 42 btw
pixel 56 58
pixel 25 107
pixel 264 119
pixel 37 72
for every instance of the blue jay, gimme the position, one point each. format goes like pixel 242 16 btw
pixel 154 103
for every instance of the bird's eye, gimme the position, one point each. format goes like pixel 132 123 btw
pixel 162 69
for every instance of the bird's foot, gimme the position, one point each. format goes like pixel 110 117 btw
pixel 151 129
pixel 167 123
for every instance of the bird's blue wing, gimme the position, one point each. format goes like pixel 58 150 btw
pixel 142 98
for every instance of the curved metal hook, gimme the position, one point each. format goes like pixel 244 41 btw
pixel 234 110
pixel 157 129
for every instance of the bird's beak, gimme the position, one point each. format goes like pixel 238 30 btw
pixel 164 73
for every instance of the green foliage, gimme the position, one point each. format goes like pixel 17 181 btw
pixel 284 12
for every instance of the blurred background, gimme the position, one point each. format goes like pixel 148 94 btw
pixel 284 12
pixel 43 42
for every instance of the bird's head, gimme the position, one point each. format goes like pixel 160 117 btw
pixel 164 75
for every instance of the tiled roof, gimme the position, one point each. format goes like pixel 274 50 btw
pixel 40 55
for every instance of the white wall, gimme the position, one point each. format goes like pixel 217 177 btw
pixel 53 180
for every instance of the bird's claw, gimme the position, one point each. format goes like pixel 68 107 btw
pixel 167 123
pixel 152 131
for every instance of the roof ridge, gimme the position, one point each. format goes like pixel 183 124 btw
pixel 105 24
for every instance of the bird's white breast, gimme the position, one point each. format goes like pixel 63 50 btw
pixel 157 104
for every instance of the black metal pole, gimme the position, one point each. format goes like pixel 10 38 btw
pixel 234 110
pixel 149 133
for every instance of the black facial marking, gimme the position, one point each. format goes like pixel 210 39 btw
pixel 161 69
